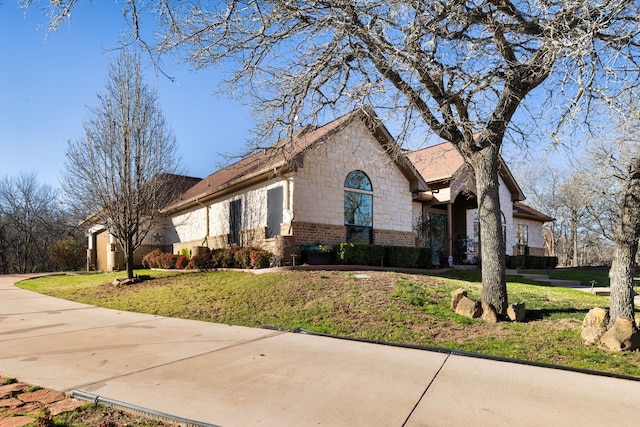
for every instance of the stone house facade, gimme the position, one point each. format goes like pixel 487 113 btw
pixel 346 181
pixel 452 209
pixel 294 193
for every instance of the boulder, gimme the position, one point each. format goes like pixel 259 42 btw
pixel 456 296
pixel 597 317
pixel 594 325
pixel 623 336
pixel 489 313
pixel 469 308
pixel 516 312
pixel 590 335
pixel 125 281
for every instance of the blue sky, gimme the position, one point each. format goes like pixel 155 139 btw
pixel 48 82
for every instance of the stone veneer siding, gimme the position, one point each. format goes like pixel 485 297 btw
pixel 318 196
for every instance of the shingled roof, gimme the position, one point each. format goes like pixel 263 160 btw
pixel 288 154
pixel 438 162
pixel 441 162
pixel 521 210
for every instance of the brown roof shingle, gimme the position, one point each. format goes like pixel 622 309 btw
pixel 523 211
pixel 438 162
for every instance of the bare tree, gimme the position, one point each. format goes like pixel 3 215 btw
pixel 31 221
pixel 120 172
pixel 574 196
pixel 460 68
pixel 626 238
pixel 614 165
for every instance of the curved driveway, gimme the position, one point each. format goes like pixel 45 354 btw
pixel 236 376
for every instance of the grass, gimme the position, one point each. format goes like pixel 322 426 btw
pixel 385 306
pixel 584 274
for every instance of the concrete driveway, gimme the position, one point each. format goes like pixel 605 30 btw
pixel 235 376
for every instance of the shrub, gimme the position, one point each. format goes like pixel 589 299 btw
pixel 394 256
pixel 222 258
pixel 150 259
pixel 242 258
pixel 401 256
pixel 358 253
pixel 531 262
pixel 182 262
pixel 200 262
pixel 260 258
pixel 167 261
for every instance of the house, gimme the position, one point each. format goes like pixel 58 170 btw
pixel 346 181
pixel 103 252
pixel 450 216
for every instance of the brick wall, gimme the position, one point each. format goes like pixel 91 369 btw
pixel 395 238
pixel 309 233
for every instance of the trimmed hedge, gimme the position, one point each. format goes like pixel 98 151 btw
pixel 245 257
pixel 531 262
pixel 394 256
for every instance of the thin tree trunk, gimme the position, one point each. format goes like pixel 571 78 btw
pixel 494 287
pixel 622 267
pixel 129 258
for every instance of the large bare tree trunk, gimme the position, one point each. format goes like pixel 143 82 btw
pixel 622 267
pixel 494 286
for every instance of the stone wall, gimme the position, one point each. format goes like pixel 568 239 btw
pixel 319 185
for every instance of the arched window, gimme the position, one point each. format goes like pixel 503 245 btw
pixel 358 207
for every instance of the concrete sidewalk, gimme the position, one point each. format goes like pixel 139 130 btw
pixel 236 376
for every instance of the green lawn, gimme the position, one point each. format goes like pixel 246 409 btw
pixel 386 306
pixel 584 274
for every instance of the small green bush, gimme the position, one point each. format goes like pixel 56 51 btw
pixel 394 256
pixel 530 262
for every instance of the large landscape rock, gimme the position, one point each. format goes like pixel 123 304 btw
pixel 623 336
pixel 489 313
pixel 456 296
pixel 594 325
pixel 469 308
pixel 516 312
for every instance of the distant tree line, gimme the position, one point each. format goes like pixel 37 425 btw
pixel 36 232
pixel 586 197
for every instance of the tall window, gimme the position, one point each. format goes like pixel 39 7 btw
pixel 358 207
pixel 235 221
pixel 274 211
pixel 523 234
